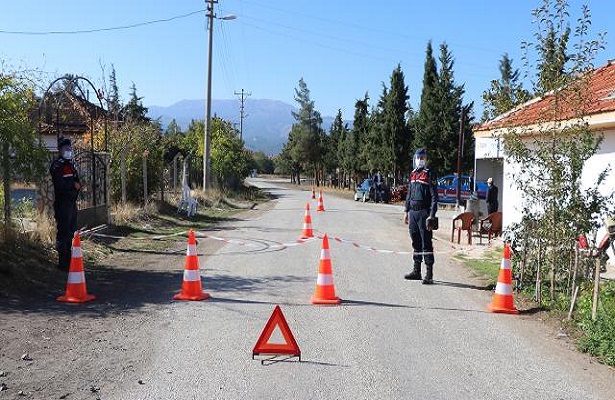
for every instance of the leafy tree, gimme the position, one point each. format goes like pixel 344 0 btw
pixel 505 93
pixel 129 145
pixel 230 161
pixel 263 163
pixel 21 152
pixel 548 160
pixel 551 46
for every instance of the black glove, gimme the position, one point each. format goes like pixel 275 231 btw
pixel 432 223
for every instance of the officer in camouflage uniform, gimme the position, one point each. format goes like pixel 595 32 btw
pixel 420 212
pixel 66 185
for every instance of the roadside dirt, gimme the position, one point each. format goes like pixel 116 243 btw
pixel 51 350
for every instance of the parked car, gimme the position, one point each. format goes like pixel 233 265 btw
pixel 366 191
pixel 447 188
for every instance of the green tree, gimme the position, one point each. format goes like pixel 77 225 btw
pixel 548 158
pixel 437 124
pixel 427 122
pixel 134 110
pixel 505 93
pixel 21 152
pixel 230 161
pixel 337 133
pixel 398 136
pixel 355 141
pixel 376 149
pixel 263 163
pixel 173 128
pixel 307 132
pixel 550 46
pixel 114 102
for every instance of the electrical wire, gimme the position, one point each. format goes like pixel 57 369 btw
pixel 115 28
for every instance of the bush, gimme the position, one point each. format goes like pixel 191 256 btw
pixel 599 335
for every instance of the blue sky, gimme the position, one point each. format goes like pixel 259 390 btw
pixel 341 48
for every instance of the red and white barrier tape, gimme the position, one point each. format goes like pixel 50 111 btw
pixel 199 234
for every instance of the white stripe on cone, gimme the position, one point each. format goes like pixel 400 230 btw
pixel 76 277
pixel 191 250
pixel 324 280
pixel 505 264
pixel 325 254
pixel 192 275
pixel 77 253
pixel 504 289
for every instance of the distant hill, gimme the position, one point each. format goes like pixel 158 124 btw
pixel 265 128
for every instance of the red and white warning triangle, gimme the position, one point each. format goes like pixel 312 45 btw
pixel 289 346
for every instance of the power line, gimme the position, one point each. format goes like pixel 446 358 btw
pixel 115 28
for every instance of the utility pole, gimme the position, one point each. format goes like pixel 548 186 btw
pixel 207 149
pixel 242 99
pixel 459 153
pixel 207 139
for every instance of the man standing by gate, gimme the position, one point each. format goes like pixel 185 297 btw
pixel 420 214
pixel 66 186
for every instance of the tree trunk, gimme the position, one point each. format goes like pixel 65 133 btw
pixel 144 180
pixel 123 175
pixel 596 290
pixel 538 281
pixel 6 182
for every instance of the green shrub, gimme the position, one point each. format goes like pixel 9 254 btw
pixel 599 335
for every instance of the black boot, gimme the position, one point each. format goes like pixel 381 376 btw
pixel 428 275
pixel 64 258
pixel 415 275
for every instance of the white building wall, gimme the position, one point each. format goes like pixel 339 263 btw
pixel 513 200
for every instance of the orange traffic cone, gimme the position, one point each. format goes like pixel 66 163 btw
pixel 503 298
pixel 325 289
pixel 191 286
pixel 313 194
pixel 76 291
pixel 307 224
pixel 321 206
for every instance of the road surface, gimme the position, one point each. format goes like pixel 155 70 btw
pixel 389 339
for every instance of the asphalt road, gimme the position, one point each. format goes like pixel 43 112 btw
pixel 389 339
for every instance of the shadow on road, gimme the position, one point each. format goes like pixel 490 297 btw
pixel 460 285
pixel 388 305
pixel 120 290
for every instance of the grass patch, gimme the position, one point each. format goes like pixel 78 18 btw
pixel 487 267
pixel 598 337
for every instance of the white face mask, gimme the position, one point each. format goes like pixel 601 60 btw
pixel 67 155
pixel 418 162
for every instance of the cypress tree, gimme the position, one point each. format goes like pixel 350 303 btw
pixel 397 135
pixel 427 129
pixel 505 93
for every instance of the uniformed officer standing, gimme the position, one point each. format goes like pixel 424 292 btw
pixel 420 211
pixel 66 185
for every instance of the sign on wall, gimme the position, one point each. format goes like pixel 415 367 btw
pixel 488 148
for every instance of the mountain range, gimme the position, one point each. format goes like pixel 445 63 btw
pixel 265 126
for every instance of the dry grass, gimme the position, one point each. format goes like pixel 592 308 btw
pixel 45 229
pixel 124 214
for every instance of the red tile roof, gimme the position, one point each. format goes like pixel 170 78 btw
pixel 601 98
